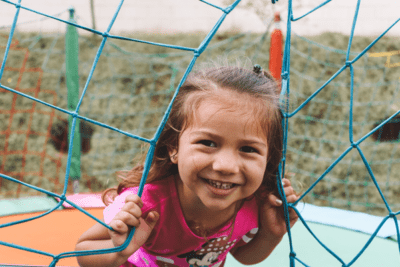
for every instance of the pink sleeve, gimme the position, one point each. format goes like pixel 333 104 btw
pixel 111 210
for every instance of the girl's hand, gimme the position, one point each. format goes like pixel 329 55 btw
pixel 272 220
pixel 130 216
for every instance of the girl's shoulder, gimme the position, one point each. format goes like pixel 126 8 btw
pixel 155 188
pixel 155 195
pixel 248 213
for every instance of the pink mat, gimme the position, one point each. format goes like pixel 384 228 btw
pixel 85 200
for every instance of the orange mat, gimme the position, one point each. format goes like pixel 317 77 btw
pixel 54 233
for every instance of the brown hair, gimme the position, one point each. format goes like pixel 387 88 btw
pixel 262 90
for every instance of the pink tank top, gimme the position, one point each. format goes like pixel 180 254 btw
pixel 172 243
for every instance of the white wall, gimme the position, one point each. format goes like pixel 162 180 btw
pixel 337 16
pixel 170 16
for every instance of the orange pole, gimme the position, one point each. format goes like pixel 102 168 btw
pixel 276 50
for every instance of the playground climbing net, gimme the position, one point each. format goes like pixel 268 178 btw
pixel 339 104
pixel 130 90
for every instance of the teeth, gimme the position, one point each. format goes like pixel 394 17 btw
pixel 226 186
pixel 220 185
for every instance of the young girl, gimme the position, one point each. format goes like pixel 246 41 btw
pixel 212 185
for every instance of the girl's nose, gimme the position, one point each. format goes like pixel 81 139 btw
pixel 226 163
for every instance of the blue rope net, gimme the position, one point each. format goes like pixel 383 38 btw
pixel 130 90
pixel 319 132
pixel 290 114
pixel 353 144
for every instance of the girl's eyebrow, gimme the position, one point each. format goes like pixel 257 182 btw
pixel 205 133
pixel 255 142
pixel 216 136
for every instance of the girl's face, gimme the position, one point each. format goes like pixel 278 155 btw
pixel 222 155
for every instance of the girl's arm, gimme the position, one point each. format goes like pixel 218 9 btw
pixel 272 228
pixel 257 250
pixel 100 237
pixel 97 237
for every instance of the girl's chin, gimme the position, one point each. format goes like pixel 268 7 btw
pixel 218 204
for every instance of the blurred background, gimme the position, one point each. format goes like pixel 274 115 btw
pixel 133 83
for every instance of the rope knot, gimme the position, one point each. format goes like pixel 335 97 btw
pixel 228 10
pixel 292 254
pixel 153 142
pixel 56 258
pixel 285 75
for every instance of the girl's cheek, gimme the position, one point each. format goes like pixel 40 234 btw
pixel 197 161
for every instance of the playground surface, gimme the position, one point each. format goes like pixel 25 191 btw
pixel 344 232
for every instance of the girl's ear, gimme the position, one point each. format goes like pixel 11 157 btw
pixel 173 155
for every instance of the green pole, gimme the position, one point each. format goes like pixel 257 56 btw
pixel 71 56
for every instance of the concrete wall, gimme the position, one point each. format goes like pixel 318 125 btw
pixel 170 16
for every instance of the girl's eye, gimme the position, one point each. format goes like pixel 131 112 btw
pixel 248 149
pixel 208 143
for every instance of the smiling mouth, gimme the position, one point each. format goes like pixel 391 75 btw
pixel 220 185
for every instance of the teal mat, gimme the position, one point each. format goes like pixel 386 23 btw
pixel 26 205
pixel 345 243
